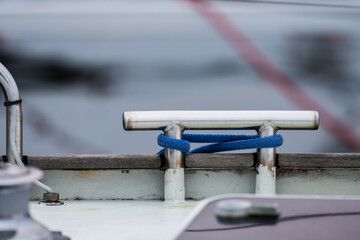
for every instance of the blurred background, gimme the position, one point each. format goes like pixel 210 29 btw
pixel 80 64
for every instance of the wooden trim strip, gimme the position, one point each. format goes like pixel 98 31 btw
pixel 95 162
pixel 92 162
pixel 205 161
pixel 322 160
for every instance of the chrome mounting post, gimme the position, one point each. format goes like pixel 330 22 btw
pixel 174 178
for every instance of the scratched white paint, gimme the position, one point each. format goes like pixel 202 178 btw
pixel 202 184
pixel 199 184
pixel 320 182
pixel 143 184
pixel 174 185
pixel 109 184
pixel 265 180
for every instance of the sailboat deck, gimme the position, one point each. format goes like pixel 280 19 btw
pixel 141 177
pixel 94 220
pixel 121 196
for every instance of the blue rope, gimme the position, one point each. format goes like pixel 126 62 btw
pixel 221 142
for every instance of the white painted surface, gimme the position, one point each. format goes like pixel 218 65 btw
pixel 199 184
pixel 107 185
pixel 130 220
pixel 174 190
pixel 203 184
pixel 319 182
pixel 143 184
pixel 265 180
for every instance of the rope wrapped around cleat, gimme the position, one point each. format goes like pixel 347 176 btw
pixel 221 142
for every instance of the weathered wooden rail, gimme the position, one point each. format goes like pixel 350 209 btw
pixel 206 161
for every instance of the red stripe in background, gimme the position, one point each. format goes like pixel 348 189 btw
pixel 2 41
pixel 272 74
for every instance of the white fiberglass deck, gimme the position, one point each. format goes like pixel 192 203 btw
pixel 95 220
pixel 81 178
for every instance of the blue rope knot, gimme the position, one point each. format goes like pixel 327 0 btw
pixel 220 142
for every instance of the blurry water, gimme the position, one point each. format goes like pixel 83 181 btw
pixel 80 66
